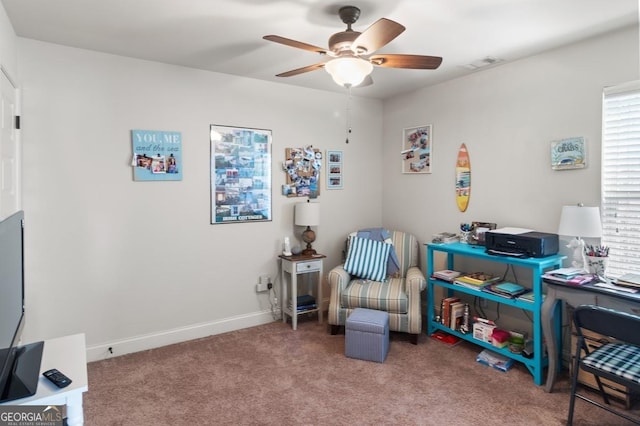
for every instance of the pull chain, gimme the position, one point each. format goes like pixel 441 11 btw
pixel 348 129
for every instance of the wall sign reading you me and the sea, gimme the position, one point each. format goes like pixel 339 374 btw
pixel 157 155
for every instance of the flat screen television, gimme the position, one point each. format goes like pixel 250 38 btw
pixel 19 365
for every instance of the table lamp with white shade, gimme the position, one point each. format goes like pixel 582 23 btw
pixel 580 222
pixel 307 214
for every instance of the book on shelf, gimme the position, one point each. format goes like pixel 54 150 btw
pixel 305 299
pixel 529 296
pixel 479 278
pixel 468 285
pixel 456 313
pixel 510 288
pixel 445 306
pixel 446 274
pixel 492 359
pixel 304 303
pixel 500 291
pixel 301 308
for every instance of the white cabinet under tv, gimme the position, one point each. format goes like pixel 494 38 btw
pixel 68 355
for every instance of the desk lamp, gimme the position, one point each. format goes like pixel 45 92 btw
pixel 580 221
pixel 307 214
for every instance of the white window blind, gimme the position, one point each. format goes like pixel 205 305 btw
pixel 621 177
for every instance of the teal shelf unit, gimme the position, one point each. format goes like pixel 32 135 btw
pixel 537 267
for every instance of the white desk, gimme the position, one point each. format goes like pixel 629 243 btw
pixel 67 354
pixel 587 294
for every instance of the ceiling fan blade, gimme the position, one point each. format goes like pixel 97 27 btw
pixel 301 70
pixel 418 62
pixel 296 44
pixel 377 35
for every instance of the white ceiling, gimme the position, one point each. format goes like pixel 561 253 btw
pixel 226 35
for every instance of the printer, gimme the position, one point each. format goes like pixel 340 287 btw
pixel 520 242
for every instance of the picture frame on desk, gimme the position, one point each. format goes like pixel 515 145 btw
pixel 477 231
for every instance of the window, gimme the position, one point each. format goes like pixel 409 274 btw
pixel 621 177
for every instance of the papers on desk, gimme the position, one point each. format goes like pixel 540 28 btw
pixel 629 280
pixel 578 277
pixel 611 286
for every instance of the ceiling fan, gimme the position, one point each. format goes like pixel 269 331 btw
pixel 351 52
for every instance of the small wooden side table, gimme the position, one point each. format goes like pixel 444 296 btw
pixel 294 266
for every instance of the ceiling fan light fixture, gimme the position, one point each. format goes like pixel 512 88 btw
pixel 348 70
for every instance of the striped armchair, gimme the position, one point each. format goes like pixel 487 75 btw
pixel 399 294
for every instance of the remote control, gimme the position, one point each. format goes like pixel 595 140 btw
pixel 57 378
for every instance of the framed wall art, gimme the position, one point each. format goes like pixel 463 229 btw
pixel 463 178
pixel 302 166
pixel 417 149
pixel 334 170
pixel 157 155
pixel 567 154
pixel 240 174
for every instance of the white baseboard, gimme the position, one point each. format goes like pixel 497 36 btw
pixel 177 335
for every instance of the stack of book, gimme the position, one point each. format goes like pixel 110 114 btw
pixel 452 312
pixel 569 276
pixel 477 280
pixel 506 289
pixel 446 275
pixel 304 303
pixel 529 296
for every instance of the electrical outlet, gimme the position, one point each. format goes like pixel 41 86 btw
pixel 260 287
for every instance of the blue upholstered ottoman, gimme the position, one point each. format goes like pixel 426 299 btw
pixel 367 335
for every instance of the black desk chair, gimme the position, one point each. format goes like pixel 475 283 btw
pixel 618 361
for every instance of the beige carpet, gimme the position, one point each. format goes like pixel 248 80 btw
pixel 272 375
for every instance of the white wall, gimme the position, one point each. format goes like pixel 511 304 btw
pixel 8 56
pixel 136 264
pixel 507 116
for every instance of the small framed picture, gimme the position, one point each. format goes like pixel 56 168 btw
pixel 416 149
pixel 334 170
pixel 567 154
pixel 477 231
